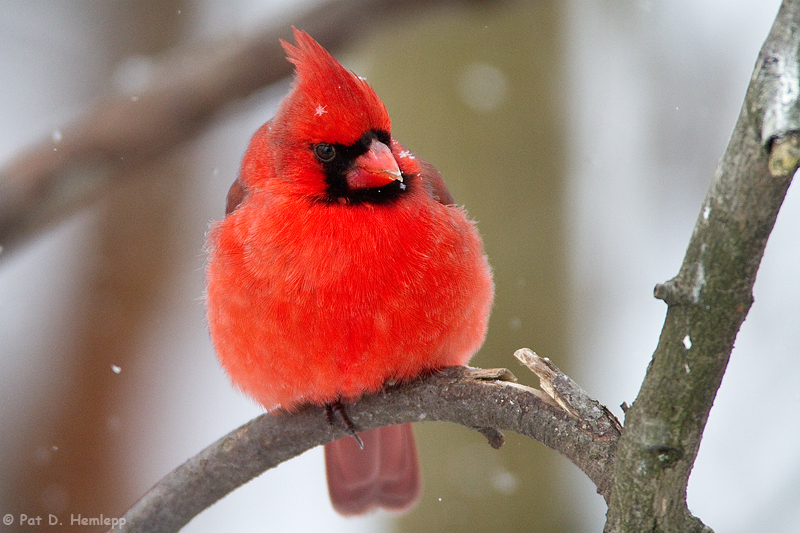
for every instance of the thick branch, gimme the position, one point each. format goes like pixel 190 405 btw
pixel 59 175
pixel 484 400
pixel 710 297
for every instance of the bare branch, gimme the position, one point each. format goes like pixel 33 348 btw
pixel 55 177
pixel 485 400
pixel 569 395
pixel 710 297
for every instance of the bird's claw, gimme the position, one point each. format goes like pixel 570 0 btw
pixel 336 410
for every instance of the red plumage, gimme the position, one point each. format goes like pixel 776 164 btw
pixel 329 277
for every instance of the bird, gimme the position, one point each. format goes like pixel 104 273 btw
pixel 342 265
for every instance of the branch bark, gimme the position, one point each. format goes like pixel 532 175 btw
pixel 710 297
pixel 485 400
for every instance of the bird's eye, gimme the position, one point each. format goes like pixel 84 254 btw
pixel 324 152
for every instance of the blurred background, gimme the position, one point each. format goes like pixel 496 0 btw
pixel 582 135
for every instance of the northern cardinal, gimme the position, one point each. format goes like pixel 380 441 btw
pixel 342 264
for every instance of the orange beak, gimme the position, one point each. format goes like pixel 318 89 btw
pixel 375 168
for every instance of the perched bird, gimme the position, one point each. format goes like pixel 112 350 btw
pixel 342 264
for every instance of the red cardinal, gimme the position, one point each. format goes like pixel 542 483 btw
pixel 342 263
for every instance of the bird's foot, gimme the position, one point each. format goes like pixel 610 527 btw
pixel 334 412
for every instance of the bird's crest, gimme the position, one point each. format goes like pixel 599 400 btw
pixel 329 102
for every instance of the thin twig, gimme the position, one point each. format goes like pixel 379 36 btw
pixel 569 395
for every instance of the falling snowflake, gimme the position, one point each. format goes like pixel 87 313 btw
pixel 405 153
pixel 320 110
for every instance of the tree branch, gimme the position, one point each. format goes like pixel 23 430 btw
pixel 484 400
pixel 710 297
pixel 708 300
pixel 59 175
